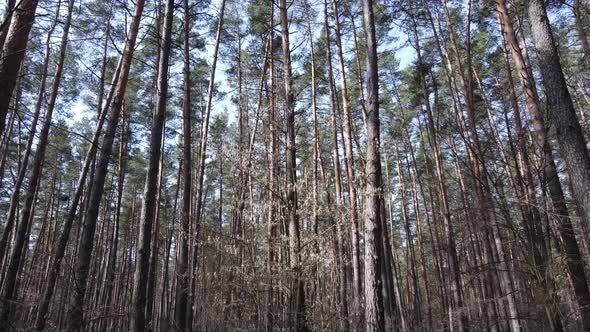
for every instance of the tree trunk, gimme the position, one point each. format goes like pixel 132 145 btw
pixel 340 245
pixel 5 25
pixel 581 32
pixel 374 315
pixel 183 303
pixel 453 262
pixel 298 319
pixel 155 247
pixel 22 172
pixel 569 132
pixel 111 263
pixel 13 52
pixel 148 209
pixel 22 234
pixel 76 310
pixel 272 223
pixel 60 248
pixel 6 139
pixel 349 158
pixel 569 136
pixel 201 161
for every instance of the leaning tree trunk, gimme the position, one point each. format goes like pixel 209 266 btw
pixel 22 233
pixel 569 132
pixel 64 237
pixel 76 311
pixel 13 52
pixel 5 24
pixel 581 32
pixel 564 225
pixel 22 172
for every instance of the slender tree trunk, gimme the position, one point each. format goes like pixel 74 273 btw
pixel 22 172
pixel 410 252
pixel 76 310
pixel 148 210
pixel 316 143
pixel 359 75
pixel 103 295
pixel 22 234
pixel 182 278
pixel 341 246
pixel 429 323
pixel 200 175
pixel 298 319
pixel 60 248
pixel 111 264
pixel 272 177
pixel 453 262
pixel 349 158
pixel 373 192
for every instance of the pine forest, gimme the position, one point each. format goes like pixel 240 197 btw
pixel 295 165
